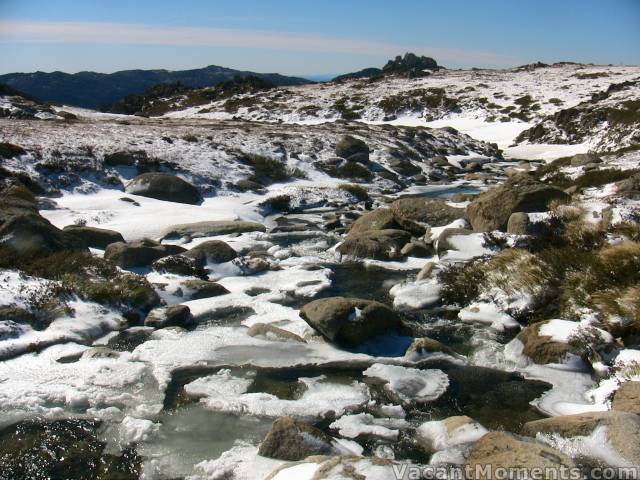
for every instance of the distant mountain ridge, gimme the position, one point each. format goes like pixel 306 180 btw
pixel 91 89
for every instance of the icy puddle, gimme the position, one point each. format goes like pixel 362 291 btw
pixel 192 434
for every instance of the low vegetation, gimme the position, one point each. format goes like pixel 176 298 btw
pixel 85 276
pixel 565 267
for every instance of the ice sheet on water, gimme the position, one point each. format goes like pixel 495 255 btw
pixel 224 393
pixel 352 426
pixel 416 295
pixel 441 438
pixel 86 322
pixel 410 384
pixel 488 313
pixel 40 384
pixel 241 462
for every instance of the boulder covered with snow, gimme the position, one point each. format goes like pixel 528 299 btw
pixel 92 236
pixel 292 440
pixel 613 430
pixel 139 253
pixel 163 186
pixel 451 432
pixel 551 341
pixel 445 242
pixel 521 193
pixel 349 321
pixel 503 450
pixel 377 244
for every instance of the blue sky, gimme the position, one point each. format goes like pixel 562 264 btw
pixel 311 37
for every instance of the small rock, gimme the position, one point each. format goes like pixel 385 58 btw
pixel 125 158
pixel 417 249
pixel 426 345
pixel 197 289
pixel 172 316
pixel 272 332
pixel 434 212
pixel 179 265
pixel 518 223
pixel 292 440
pixel 425 271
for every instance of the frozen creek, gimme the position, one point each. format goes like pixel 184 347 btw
pixel 195 403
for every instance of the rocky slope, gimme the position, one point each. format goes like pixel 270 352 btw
pixel 196 296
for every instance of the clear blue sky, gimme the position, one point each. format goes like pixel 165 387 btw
pixel 311 37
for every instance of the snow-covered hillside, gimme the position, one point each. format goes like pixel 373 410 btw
pixel 324 281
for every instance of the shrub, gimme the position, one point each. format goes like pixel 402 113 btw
pixel 89 277
pixel 266 170
pixel 461 282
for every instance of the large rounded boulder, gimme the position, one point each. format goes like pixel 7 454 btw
pixel 92 236
pixel 501 450
pixel 349 321
pixel 385 219
pixel 163 186
pixel 376 244
pixel 433 211
pixel 521 193
pixel 32 234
